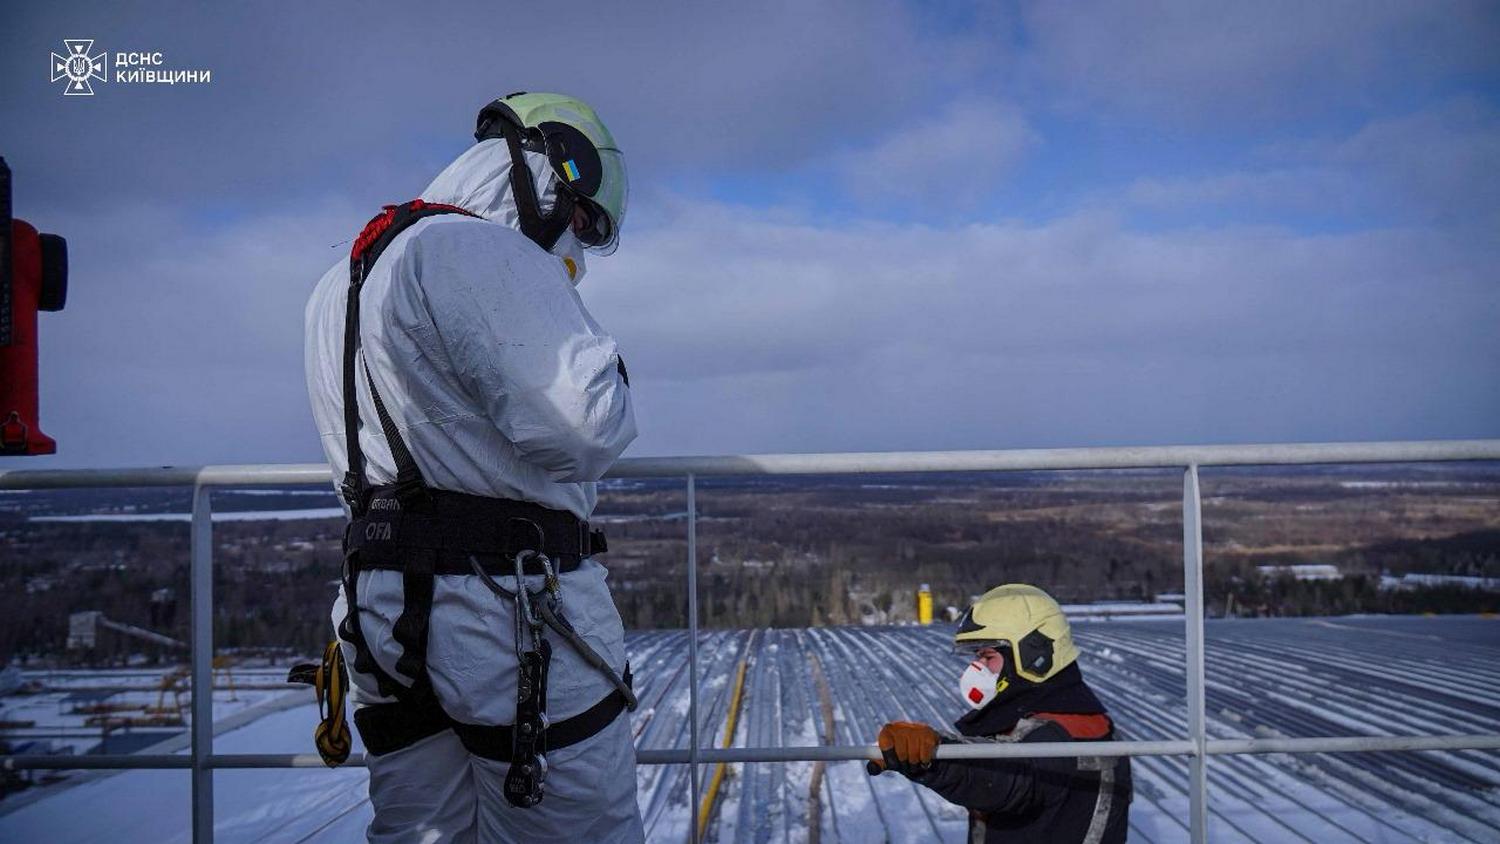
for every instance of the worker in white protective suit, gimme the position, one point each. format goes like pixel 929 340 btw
pixel 486 656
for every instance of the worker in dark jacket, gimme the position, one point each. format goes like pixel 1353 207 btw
pixel 1024 685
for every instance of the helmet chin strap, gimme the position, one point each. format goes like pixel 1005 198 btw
pixel 543 229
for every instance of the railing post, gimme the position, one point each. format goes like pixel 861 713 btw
pixel 692 579
pixel 1192 580
pixel 201 583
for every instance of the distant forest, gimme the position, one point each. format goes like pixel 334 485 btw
pixel 804 553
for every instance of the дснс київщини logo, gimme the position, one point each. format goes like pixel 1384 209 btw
pixel 78 67
pixel 131 67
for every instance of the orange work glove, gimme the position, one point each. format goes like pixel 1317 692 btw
pixel 907 746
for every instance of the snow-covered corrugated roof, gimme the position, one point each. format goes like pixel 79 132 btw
pixel 1305 677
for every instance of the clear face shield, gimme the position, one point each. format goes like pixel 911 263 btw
pixel 597 184
pixel 591 225
pixel 993 652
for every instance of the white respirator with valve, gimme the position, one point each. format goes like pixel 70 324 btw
pixel 978 685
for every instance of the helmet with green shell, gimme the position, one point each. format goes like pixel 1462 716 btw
pixel 589 166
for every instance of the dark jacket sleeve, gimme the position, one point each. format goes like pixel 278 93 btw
pixel 983 785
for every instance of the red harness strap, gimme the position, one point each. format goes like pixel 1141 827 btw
pixel 1086 727
pixel 381 222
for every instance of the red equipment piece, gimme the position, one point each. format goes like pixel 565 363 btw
pixel 33 277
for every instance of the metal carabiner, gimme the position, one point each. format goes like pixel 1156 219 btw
pixel 550 580
pixel 527 619
pixel 520 572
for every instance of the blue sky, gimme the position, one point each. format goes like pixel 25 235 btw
pixel 853 225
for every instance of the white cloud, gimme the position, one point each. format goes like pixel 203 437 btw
pixel 765 329
pixel 322 93
pixel 1236 61
pixel 952 158
pixel 1300 188
pixel 751 331
pixel 1436 164
pixel 1443 159
pixel 184 344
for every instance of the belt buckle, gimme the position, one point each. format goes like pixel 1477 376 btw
pixel 515 547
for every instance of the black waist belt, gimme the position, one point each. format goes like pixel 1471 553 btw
pixel 388 727
pixel 457 526
pixel 434 533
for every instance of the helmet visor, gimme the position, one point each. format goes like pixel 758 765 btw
pixel 591 225
pixel 610 199
pixel 992 654
pixel 971 647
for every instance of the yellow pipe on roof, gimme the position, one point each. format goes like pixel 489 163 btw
pixel 718 777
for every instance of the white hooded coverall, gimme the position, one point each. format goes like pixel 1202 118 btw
pixel 502 385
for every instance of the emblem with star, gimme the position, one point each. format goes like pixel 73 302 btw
pixel 78 67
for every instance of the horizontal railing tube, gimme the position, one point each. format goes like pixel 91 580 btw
pixel 1198 747
pixel 92 761
pixel 862 752
pixel 281 760
pixel 268 474
pixel 1129 457
pixel 1352 744
pixel 825 753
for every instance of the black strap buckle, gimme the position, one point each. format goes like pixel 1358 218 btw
pixel 414 495
pixel 354 493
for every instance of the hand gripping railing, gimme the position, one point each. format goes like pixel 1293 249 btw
pixel 1196 746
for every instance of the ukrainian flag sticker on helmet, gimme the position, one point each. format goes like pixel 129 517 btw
pixel 570 170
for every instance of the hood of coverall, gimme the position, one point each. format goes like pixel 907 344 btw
pixel 479 181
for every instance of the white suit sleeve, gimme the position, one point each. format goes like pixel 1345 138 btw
pixel 522 344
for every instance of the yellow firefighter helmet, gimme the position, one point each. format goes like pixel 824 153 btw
pixel 1024 622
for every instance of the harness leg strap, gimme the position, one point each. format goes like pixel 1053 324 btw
pixel 410 629
pixel 351 632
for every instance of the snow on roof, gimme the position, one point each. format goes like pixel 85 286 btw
pixel 1294 677
pixel 1303 571
pixel 1413 581
pixel 1108 610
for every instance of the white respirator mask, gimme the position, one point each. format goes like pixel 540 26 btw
pixel 570 251
pixel 978 685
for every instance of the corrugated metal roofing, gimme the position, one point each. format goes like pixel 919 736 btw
pixel 1294 677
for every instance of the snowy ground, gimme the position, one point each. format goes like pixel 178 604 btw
pixel 1308 677
pixel 57 720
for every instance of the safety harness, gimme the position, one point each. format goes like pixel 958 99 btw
pixel 424 532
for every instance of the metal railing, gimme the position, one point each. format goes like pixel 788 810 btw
pixel 202 762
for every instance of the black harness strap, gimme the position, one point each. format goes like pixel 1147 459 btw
pixel 543 230
pixel 458 525
pixel 353 487
pixel 409 482
pixel 351 631
pixel 372 241
pixel 411 628
pixel 387 727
